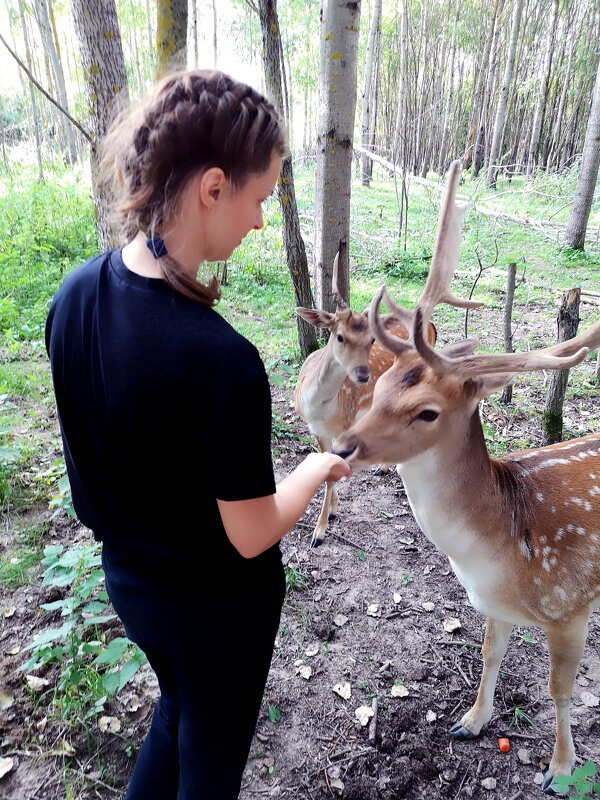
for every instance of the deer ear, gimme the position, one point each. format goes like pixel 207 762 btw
pixel 466 347
pixel 485 385
pixel 316 317
pixel 390 321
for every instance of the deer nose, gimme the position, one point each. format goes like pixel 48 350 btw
pixel 361 374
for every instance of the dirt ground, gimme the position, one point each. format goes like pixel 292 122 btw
pixel 369 612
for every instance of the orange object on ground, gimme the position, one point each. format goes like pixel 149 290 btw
pixel 503 745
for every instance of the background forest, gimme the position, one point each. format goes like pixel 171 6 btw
pixel 510 87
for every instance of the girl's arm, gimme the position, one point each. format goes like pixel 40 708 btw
pixel 255 525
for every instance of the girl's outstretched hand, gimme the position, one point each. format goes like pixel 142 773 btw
pixel 331 467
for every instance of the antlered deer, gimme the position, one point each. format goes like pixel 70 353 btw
pixel 522 532
pixel 335 383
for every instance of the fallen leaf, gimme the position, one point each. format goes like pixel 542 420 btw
pixel 429 568
pixel 399 690
pixel 396 598
pixel 524 756
pixel 340 620
pixel 451 624
pixel 6 764
pixel 431 716
pixel 590 700
pixel 343 689
pixel 489 783
pixel 134 703
pixel 373 610
pixel 14 651
pixel 36 684
pixel 109 724
pixel 312 650
pixel 305 672
pixel 363 714
pixel 9 612
pixel 64 749
pixel 337 784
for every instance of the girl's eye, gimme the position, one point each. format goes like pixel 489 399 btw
pixel 340 338
pixel 428 415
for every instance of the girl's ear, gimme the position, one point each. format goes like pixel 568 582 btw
pixel 211 184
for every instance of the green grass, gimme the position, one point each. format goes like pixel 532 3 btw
pixel 24 556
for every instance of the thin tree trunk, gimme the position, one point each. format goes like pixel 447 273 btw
pixel 43 17
pixel 292 237
pixel 508 309
pixel 568 322
pixel 171 36
pixel 588 175
pixel 97 29
pixel 337 104
pixel 500 120
pixel 34 106
pixel 538 116
pixel 367 92
pixel 215 48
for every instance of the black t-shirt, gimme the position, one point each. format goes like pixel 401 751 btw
pixel 163 408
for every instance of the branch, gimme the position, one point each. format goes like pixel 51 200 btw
pixel 45 93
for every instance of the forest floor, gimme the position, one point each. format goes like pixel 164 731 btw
pixel 376 619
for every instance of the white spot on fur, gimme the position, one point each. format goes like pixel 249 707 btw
pixel 525 551
pixel 537 581
pixel 585 504
pixel 559 534
pixel 540 496
pixel 543 539
pixel 580 531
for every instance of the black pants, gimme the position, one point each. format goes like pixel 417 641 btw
pixel 211 658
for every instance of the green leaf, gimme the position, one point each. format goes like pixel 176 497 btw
pixel 50 635
pixel 114 652
pixel 274 714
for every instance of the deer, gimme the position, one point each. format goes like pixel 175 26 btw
pixel 335 384
pixel 522 532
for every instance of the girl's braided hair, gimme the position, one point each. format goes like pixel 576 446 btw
pixel 192 121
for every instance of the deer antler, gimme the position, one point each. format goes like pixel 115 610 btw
pixel 339 300
pixel 443 263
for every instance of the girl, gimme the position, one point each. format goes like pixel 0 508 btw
pixel 165 416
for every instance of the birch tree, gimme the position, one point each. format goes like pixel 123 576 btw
pixel 171 36
pixel 500 119
pixel 368 95
pixel 588 175
pixel 292 237
pixel 335 134
pixel 97 30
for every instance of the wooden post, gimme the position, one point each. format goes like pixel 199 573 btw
pixel 508 307
pixel 568 322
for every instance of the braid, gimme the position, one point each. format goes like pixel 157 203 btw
pixel 193 120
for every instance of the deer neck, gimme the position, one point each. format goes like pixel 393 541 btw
pixel 447 486
pixel 329 380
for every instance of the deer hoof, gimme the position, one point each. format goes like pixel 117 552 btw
pixel 547 785
pixel 331 516
pixel 458 731
pixel 314 542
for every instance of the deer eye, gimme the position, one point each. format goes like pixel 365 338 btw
pixel 429 415
pixel 340 338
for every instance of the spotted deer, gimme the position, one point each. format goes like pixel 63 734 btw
pixel 335 383
pixel 522 532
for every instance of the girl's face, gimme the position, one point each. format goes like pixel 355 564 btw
pixel 237 212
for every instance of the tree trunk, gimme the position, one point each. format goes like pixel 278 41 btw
pixel 500 120
pixel 171 36
pixel 506 397
pixel 97 29
pixel 292 236
pixel 478 94
pixel 43 17
pixel 538 116
pixel 399 146
pixel 367 93
pixel 35 112
pixel 568 322
pixel 588 174
pixel 337 105
pixel 215 41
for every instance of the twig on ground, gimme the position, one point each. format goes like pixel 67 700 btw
pixel 373 723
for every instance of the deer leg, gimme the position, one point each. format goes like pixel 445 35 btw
pixel 330 501
pixel 565 645
pixel 382 469
pixel 495 641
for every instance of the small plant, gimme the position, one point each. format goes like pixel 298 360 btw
pixel 361 555
pixel 520 715
pixel 90 669
pixel 297 580
pixel 405 579
pixel 579 785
